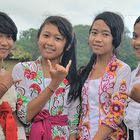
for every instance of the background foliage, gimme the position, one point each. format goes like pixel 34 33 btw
pixel 26 47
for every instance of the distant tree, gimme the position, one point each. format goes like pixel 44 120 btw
pixel 28 40
pixel 19 53
pixel 83 51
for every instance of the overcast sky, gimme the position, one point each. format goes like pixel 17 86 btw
pixel 31 13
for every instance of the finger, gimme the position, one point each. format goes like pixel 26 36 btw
pixel 17 81
pixel 50 65
pixel 68 65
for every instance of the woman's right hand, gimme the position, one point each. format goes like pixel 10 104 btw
pixel 58 73
pixel 6 78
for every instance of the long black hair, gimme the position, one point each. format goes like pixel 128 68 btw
pixel 116 25
pixel 137 21
pixel 7 26
pixel 69 52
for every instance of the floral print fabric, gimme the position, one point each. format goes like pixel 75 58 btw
pixel 112 96
pixel 32 83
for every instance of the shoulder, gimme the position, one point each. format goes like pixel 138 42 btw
pixel 123 65
pixel 22 65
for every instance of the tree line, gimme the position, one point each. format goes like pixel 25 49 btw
pixel 26 46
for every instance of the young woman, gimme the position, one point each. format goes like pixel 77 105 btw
pixel 44 103
pixel 132 112
pixel 10 127
pixel 104 82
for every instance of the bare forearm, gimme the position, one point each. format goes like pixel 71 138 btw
pixel 3 89
pixel 135 93
pixel 103 132
pixel 39 102
pixel 72 137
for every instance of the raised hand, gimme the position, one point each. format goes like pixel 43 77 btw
pixel 59 72
pixel 6 78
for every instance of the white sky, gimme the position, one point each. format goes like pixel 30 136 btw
pixel 31 13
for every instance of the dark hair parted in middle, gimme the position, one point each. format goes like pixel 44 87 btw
pixel 115 23
pixel 69 53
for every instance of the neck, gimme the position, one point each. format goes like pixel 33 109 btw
pixel 45 62
pixel 103 60
pixel 45 66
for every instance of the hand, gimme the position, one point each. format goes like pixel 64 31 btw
pixel 59 72
pixel 135 92
pixel 6 78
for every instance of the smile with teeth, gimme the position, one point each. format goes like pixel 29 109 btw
pixel 4 49
pixel 49 48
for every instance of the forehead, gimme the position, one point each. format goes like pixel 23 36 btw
pixel 48 27
pixel 100 25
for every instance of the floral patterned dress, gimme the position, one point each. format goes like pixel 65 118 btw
pixel 32 83
pixel 111 94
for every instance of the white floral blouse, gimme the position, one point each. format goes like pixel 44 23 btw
pixel 31 85
pixel 110 96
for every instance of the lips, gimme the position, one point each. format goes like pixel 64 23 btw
pixel 50 48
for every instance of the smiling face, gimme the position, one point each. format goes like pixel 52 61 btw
pixel 135 42
pixel 100 38
pixel 51 43
pixel 6 44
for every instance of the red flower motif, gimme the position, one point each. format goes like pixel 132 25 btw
pixel 59 91
pixel 29 74
pixel 65 81
pixel 19 102
pixel 36 87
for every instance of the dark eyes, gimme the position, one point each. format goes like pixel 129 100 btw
pixel 105 34
pixel 56 37
pixel 134 36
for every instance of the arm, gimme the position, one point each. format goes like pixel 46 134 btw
pixel 116 109
pixel 103 132
pixel 135 93
pixel 72 137
pixel 28 107
pixel 5 82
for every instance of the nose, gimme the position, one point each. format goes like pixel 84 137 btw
pixel 50 41
pixel 137 42
pixel 98 38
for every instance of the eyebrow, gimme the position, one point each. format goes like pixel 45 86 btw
pixel 101 30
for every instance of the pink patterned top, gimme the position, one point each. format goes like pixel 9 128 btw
pixel 31 85
pixel 111 93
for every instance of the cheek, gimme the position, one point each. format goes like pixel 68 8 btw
pixel 90 40
pixel 132 43
pixel 11 44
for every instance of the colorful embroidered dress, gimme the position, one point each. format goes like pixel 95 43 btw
pixel 31 85
pixel 110 100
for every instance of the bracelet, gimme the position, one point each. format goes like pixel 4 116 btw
pixel 50 89
pixel 4 86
